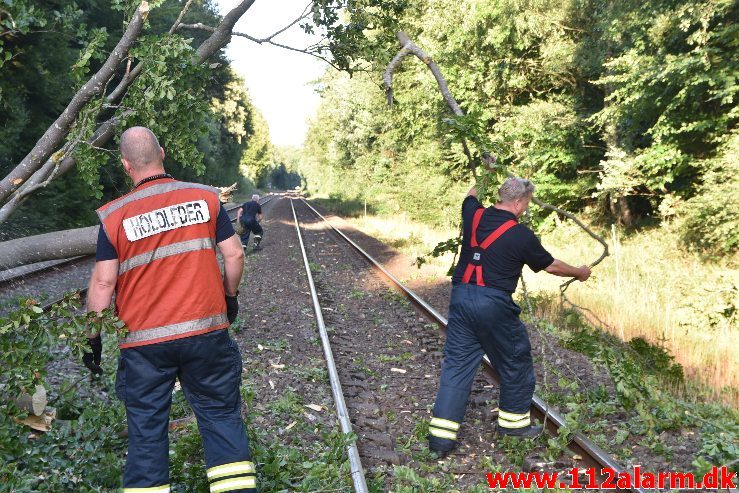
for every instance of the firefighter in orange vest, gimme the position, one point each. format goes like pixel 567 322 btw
pixel 483 318
pixel 157 253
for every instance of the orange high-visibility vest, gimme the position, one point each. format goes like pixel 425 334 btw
pixel 169 284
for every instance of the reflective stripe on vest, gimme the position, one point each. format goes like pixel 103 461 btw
pixel 475 266
pixel 157 189
pixel 165 251
pixel 172 331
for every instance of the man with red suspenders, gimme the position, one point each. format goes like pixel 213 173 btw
pixel 156 252
pixel 483 318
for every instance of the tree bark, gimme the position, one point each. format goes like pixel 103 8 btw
pixel 408 47
pixel 58 164
pixel 53 169
pixel 56 245
pixel 57 132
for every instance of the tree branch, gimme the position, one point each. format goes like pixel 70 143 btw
pixel 56 133
pixel 313 50
pixel 58 164
pixel 106 130
pixel 407 47
pixel 222 34
pixel 60 244
pixel 131 75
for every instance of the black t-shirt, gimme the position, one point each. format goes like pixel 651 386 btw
pixel 503 261
pixel 250 210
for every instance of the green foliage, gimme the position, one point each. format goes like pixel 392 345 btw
pixel 84 455
pixel 29 333
pixel 709 220
pixel 83 451
pixel 202 114
pixel 594 101
pixel 357 29
pixel 168 96
pixel 658 361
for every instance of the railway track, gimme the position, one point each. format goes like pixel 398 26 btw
pixel 589 453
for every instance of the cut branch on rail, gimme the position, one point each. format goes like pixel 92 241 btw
pixel 57 245
pixel 408 47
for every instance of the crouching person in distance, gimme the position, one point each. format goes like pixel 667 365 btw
pixel 249 215
pixel 483 318
pixel 156 251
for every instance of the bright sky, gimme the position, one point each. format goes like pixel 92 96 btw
pixel 278 80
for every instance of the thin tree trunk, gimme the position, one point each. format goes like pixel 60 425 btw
pixel 57 132
pixel 60 163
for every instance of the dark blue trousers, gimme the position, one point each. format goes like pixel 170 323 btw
pixel 250 225
pixel 482 320
pixel 209 369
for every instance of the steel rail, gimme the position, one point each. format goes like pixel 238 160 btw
pixel 71 261
pixel 592 455
pixel 360 483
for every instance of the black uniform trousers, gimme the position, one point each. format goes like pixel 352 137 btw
pixel 250 225
pixel 208 367
pixel 482 320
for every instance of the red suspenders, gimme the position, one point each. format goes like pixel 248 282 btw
pixel 475 264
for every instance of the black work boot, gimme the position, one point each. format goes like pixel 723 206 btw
pixel 257 240
pixel 441 447
pixel 527 432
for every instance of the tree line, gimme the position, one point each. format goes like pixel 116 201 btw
pixel 202 114
pixel 625 109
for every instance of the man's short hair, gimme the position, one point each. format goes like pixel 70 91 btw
pixel 140 147
pixel 515 188
pixel 255 196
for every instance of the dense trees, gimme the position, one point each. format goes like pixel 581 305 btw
pixel 626 107
pixel 202 113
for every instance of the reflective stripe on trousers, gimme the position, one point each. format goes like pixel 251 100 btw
pixel 233 476
pixel 153 489
pixel 209 369
pixel 482 321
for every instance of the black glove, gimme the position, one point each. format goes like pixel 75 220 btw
pixel 232 307
pixel 92 359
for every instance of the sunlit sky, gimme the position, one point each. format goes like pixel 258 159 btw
pixel 278 80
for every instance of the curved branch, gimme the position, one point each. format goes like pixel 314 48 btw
pixel 563 287
pixel 408 47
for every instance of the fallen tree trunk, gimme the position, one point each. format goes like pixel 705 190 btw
pixel 48 246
